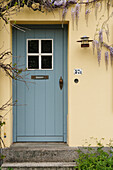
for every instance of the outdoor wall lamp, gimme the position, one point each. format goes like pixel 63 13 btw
pixel 84 41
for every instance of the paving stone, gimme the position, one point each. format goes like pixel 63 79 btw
pixel 39 166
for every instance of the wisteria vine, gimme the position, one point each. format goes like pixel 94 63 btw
pixel 8 7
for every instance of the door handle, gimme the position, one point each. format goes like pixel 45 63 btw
pixel 61 83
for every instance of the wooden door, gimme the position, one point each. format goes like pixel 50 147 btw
pixel 40 114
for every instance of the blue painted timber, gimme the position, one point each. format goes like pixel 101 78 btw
pixel 41 111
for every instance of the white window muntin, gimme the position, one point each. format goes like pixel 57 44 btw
pixel 39 54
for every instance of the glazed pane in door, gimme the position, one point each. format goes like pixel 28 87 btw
pixel 33 62
pixel 46 46
pixel 33 46
pixel 40 54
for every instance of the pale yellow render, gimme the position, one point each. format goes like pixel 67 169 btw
pixel 90 102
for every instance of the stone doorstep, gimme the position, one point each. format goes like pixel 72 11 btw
pixel 40 154
pixel 41 146
pixel 40 165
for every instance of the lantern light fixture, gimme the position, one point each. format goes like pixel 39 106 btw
pixel 84 41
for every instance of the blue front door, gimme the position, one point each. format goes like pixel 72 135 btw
pixel 41 111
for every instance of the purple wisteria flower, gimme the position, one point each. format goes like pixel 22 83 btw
pixel 73 13
pixel 99 56
pixel 77 10
pixel 98 51
pixel 87 11
pixel 106 57
pixel 93 45
pixel 101 36
pixel 107 46
pixel 64 12
pixel 111 51
pixel 73 16
pixel 58 3
pixel 97 44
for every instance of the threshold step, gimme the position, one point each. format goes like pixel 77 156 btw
pixel 40 154
pixel 40 165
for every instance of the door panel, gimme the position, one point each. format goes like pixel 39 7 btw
pixel 39 115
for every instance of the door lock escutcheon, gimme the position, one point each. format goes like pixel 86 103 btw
pixel 61 83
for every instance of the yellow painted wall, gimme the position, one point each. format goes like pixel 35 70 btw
pixel 90 102
pixel 6 85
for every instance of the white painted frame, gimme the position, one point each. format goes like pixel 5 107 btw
pixel 38 54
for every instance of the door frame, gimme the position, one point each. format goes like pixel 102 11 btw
pixel 65 70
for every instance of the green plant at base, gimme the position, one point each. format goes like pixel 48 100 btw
pixel 95 158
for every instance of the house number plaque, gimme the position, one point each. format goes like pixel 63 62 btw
pixel 78 71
